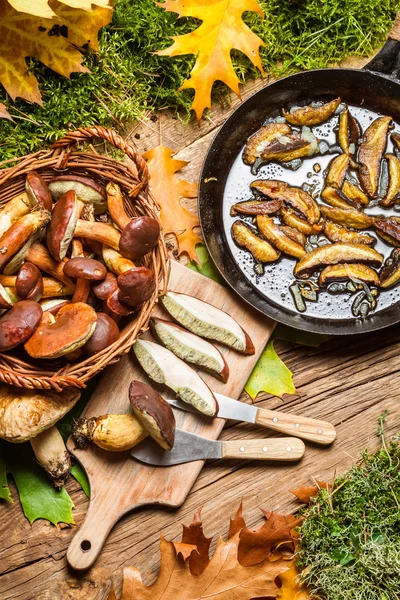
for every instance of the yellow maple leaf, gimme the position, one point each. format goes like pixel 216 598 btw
pixel 222 30
pixel 168 190
pixel 23 35
pixel 292 589
pixel 41 8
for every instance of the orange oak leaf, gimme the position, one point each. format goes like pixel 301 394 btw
pixel 23 35
pixel 306 492
pixel 184 551
pixel 223 579
pixel 292 589
pixel 168 191
pixel 221 31
pixel 194 534
pixel 4 114
pixel 41 8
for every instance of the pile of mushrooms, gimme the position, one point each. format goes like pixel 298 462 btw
pixel 67 267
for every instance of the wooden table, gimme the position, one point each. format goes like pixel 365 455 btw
pixel 348 381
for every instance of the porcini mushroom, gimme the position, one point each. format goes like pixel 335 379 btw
pixel 154 413
pixel 138 235
pixel 115 433
pixel 20 232
pixel 62 225
pixel 87 190
pixel 53 305
pixel 106 333
pixel 39 256
pixel 84 270
pixel 51 453
pixel 105 288
pixel 29 283
pixel 38 191
pixel 136 284
pixel 14 210
pixel 58 335
pixel 19 323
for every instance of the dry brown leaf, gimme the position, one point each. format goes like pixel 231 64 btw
pixel 223 579
pixel 168 191
pixel 23 35
pixel 193 534
pixel 41 8
pixel 4 114
pixel 184 551
pixel 291 588
pixel 306 492
pixel 221 31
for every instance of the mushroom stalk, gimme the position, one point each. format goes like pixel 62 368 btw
pixel 20 232
pixel 115 433
pixel 39 256
pixel 51 453
pixel 52 288
pixel 115 205
pixel 100 232
pixel 115 261
pixel 14 210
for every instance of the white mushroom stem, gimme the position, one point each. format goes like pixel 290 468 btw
pixel 52 288
pixel 115 205
pixel 115 262
pixel 14 210
pixel 40 257
pixel 100 232
pixel 51 453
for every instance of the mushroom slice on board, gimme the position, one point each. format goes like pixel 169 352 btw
pixel 87 190
pixel 19 323
pixel 50 451
pixel 349 217
pixel 343 272
pixel 332 254
pixel 21 232
pixel 256 207
pixel 291 219
pixel 163 366
pixel 246 236
pixel 115 433
pixel 278 238
pixel 207 321
pixel 105 334
pixel 310 115
pixel 337 233
pixel 154 413
pixel 69 330
pixel 293 197
pixel 349 132
pixel 370 154
pixel 390 272
pixel 190 347
pixel 38 191
pixel 388 228
pixel 354 195
pixel 393 191
pixel 337 171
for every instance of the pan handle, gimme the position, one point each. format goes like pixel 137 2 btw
pixel 387 61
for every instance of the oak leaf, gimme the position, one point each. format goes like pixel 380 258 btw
pixel 194 534
pixel 223 579
pixel 221 31
pixel 169 191
pixel 306 492
pixel 23 35
pixel 41 8
pixel 292 588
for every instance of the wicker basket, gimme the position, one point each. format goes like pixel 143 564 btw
pixel 133 180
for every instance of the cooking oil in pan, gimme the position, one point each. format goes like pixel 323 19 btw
pixel 276 277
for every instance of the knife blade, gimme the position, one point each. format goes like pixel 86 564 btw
pixel 313 430
pixel 190 447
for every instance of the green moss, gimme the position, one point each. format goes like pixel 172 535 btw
pixel 127 78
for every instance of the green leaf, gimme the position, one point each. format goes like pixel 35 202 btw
pixel 79 473
pixel 270 375
pixel 206 266
pixel 4 489
pixel 303 338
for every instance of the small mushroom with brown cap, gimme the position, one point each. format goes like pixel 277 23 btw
pixel 19 323
pixel 21 232
pixel 138 235
pixel 63 333
pixel 87 190
pixel 105 288
pixel 105 334
pixel 154 413
pixel 38 191
pixel 136 284
pixel 62 225
pixel 29 283
pixel 84 270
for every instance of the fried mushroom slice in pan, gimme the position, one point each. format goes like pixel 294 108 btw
pixel 390 272
pixel 246 236
pixel 393 191
pixel 370 154
pixel 309 115
pixel 260 140
pixel 349 132
pixel 256 207
pixel 332 254
pixel 388 228
pixel 294 234
pixel 354 195
pixel 293 197
pixel 334 197
pixel 337 170
pixel 345 271
pixel 291 219
pixel 349 217
pixel 278 238
pixel 337 233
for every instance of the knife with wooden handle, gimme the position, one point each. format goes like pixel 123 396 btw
pixel 313 430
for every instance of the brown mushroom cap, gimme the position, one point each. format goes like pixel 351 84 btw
pixel 87 190
pixel 38 190
pixel 69 330
pixel 153 412
pixel 19 323
pixel 105 334
pixel 105 288
pixel 62 225
pixel 25 413
pixel 139 237
pixel 116 307
pixel 29 283
pixel 136 286
pixel 85 268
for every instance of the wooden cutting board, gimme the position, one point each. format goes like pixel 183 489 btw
pixel 118 483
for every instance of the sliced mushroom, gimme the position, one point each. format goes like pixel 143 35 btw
pixel 50 451
pixel 207 321
pixel 14 210
pixel 349 132
pixel 332 254
pixel 309 115
pixel 106 333
pixel 388 228
pixel 354 195
pixel 154 413
pixel 290 196
pixel 163 366
pixel 19 323
pixel 393 191
pixel 343 272
pixel 20 232
pixel 395 137
pixel 261 139
pixel 246 236
pixel 294 234
pixel 274 234
pixel 115 433
pixel 87 190
pixel 370 154
pixel 190 347
pixel 276 141
pixel 29 283
pixel 136 286
pixel 39 256
pixel 291 219
pixel 255 207
pixel 38 191
pixel 349 217
pixel 69 330
pixel 337 171
pixel 335 197
pixel 62 226
pixel 390 273
pixel 337 233
pixel 25 413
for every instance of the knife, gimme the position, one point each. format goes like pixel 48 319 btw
pixel 189 447
pixel 313 430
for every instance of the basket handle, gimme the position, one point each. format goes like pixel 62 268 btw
pixel 85 134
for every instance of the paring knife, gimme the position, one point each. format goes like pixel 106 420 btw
pixel 189 447
pixel 313 430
